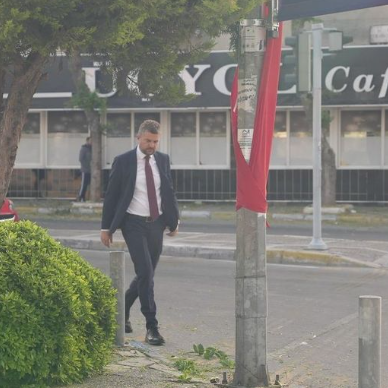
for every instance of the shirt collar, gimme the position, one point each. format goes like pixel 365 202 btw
pixel 140 154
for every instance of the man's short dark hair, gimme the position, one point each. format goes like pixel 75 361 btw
pixel 88 138
pixel 151 126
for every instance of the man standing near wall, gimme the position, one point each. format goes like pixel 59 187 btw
pixel 140 200
pixel 85 158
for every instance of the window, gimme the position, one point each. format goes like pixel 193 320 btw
pixel 212 138
pixel 118 135
pixel 360 141
pixel 199 139
pixel 386 139
pixel 279 142
pixel 30 143
pixel 121 132
pixel 183 139
pixel 67 132
pixel 67 122
pixel 301 143
pixel 140 117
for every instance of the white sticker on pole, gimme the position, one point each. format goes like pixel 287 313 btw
pixel 245 137
pixel 253 39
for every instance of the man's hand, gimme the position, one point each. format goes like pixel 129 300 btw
pixel 106 238
pixel 174 232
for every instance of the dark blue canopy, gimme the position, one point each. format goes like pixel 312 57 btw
pixel 298 9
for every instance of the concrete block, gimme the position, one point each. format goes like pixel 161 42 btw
pixel 280 216
pixel 195 214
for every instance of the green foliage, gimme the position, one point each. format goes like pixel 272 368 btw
pixel 173 35
pixel 44 25
pixel 326 119
pixel 149 39
pixel 199 349
pixel 188 369
pixel 57 313
pixel 87 100
pixel 211 352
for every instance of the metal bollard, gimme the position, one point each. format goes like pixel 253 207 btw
pixel 369 343
pixel 117 274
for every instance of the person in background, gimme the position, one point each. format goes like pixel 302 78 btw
pixel 140 200
pixel 85 158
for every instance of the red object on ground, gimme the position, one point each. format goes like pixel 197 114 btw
pixel 7 212
pixel 252 177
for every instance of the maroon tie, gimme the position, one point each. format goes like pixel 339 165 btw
pixel 151 191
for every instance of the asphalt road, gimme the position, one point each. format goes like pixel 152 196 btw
pixel 214 226
pixel 312 323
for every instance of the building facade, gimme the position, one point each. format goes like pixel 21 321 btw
pixel 196 133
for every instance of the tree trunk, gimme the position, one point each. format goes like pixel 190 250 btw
pixel 329 172
pixel 93 119
pixel 26 77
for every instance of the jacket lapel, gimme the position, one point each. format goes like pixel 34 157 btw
pixel 131 165
pixel 159 163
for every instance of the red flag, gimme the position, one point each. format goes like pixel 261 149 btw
pixel 252 177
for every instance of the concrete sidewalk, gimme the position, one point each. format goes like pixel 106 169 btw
pixel 280 249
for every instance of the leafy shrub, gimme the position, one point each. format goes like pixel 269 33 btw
pixel 57 312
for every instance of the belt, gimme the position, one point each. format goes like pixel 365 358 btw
pixel 143 218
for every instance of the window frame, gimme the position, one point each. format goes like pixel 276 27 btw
pixel 76 164
pixel 198 166
pixel 42 144
pixel 382 137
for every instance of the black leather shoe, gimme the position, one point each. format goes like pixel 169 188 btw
pixel 128 327
pixel 153 337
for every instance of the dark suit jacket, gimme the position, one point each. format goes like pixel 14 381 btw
pixel 121 186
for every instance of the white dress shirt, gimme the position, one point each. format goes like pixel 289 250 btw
pixel 139 204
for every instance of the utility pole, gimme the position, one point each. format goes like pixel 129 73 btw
pixel 317 242
pixel 251 273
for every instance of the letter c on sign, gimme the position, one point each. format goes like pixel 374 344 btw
pixel 219 79
pixel 330 77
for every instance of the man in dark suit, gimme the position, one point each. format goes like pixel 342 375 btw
pixel 141 201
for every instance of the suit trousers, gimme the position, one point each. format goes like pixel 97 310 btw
pixel 85 182
pixel 145 242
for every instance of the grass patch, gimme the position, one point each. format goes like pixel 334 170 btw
pixel 188 369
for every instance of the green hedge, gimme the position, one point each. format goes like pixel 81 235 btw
pixel 57 312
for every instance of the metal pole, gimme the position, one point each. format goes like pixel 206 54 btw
pixel 251 281
pixel 369 351
pixel 117 274
pixel 317 242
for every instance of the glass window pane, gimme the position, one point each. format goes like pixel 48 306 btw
pixel 386 138
pixel 140 117
pixel 301 141
pixel 360 138
pixel 183 139
pixel 32 125
pixel 29 151
pixel 279 142
pixel 118 125
pixel 67 132
pixel 118 135
pixel 67 122
pixel 212 140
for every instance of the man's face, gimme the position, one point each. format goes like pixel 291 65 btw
pixel 148 142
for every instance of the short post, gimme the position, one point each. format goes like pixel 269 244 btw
pixel 117 274
pixel 369 351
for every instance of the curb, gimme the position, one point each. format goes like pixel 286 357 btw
pixel 274 256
